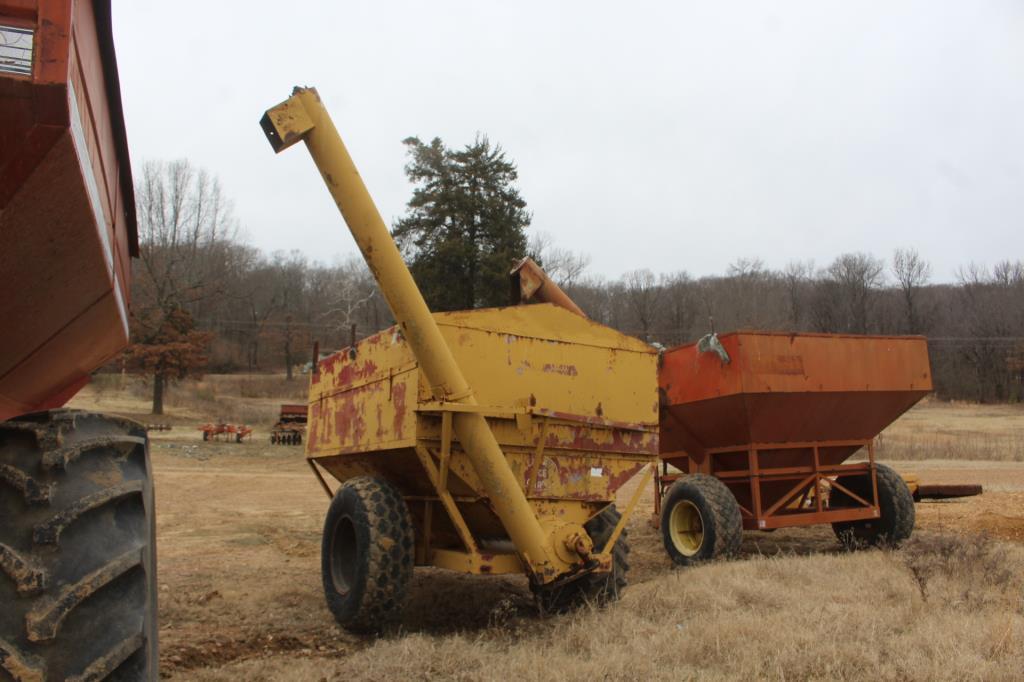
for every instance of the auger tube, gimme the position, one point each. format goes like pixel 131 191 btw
pixel 303 117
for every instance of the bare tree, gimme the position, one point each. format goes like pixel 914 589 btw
pixel 643 294
pixel 911 272
pixel 351 291
pixel 746 268
pixel 1008 273
pixel 184 222
pixel 990 321
pixel 183 217
pixel 747 288
pixel 851 281
pixel 563 266
pixel 680 304
pixel 594 295
pixel 797 276
pixel 290 281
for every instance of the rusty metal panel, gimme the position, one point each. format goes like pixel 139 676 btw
pixel 789 387
pixel 598 390
pixel 363 398
pixel 776 418
pixel 550 359
pixel 66 204
pixel 572 403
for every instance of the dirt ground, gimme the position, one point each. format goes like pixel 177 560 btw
pixel 238 529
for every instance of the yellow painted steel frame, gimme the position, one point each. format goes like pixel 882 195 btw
pixel 474 559
pixel 538 368
pixel 303 117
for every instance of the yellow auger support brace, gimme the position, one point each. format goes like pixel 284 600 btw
pixel 303 117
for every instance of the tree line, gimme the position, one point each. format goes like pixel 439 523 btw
pixel 204 300
pixel 975 326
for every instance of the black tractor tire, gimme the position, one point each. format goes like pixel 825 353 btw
pixel 700 520
pixel 77 549
pixel 895 504
pixel 367 555
pixel 597 589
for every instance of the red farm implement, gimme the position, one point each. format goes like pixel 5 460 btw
pixel 291 425
pixel 231 433
pixel 758 428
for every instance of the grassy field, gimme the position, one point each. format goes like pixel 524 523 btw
pixel 240 594
pixel 956 431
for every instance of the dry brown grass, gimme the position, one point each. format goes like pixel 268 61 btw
pixel 240 593
pixel 943 608
pixel 956 431
pixel 239 527
pixel 238 398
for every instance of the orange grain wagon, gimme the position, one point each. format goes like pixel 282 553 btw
pixel 757 432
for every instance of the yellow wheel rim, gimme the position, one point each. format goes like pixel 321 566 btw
pixel 686 528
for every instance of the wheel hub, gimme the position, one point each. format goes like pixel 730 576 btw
pixel 344 555
pixel 686 527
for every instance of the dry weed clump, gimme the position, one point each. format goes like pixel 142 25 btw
pixel 971 571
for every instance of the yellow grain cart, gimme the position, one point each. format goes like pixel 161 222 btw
pixel 487 441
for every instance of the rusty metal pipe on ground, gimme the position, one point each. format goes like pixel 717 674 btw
pixel 303 117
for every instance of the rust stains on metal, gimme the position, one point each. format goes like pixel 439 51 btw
pixel 617 480
pixel 585 438
pixel 563 369
pixel 398 398
pixel 533 284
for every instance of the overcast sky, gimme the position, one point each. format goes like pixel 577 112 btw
pixel 669 135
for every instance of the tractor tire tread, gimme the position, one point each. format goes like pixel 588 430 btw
pixel 390 558
pixel 725 517
pixel 78 551
pixel 896 504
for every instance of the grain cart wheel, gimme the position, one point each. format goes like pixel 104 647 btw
pixel 592 588
pixel 700 520
pixel 77 549
pixel 367 554
pixel 895 502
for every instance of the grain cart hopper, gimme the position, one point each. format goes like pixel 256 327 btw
pixel 759 426
pixel 77 559
pixel 486 441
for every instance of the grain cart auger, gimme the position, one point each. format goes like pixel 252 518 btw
pixel 485 441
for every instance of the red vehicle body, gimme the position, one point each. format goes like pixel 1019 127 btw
pixel 67 209
pixel 78 601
